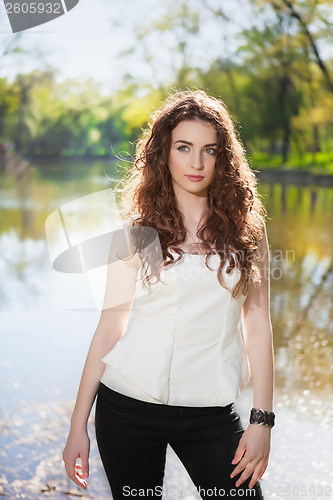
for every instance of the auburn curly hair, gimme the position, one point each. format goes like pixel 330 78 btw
pixel 233 226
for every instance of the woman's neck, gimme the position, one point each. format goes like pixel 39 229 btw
pixel 193 208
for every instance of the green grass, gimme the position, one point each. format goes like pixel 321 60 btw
pixel 319 163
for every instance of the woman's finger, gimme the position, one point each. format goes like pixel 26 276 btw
pixel 239 453
pixel 264 468
pixel 246 474
pixel 78 469
pixel 256 474
pixel 80 482
pixel 254 467
pixel 246 460
pixel 70 467
pixel 78 476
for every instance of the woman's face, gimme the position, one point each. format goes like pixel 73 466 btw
pixel 192 157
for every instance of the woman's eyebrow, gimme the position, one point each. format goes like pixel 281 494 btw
pixel 191 143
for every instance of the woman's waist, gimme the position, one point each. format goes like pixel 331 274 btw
pixel 114 381
pixel 124 396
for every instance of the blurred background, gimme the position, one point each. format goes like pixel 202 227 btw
pixel 75 94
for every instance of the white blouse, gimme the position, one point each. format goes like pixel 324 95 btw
pixel 183 344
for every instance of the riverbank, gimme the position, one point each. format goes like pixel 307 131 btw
pixel 315 171
pixel 299 177
pixel 309 169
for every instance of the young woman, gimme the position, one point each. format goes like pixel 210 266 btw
pixel 168 358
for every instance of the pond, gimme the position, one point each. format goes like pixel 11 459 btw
pixel 48 319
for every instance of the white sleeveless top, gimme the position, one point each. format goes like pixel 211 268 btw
pixel 183 344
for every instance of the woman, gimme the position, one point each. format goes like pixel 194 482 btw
pixel 180 360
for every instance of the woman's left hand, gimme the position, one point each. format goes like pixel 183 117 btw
pixel 255 442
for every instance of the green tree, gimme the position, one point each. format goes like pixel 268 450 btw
pixel 307 15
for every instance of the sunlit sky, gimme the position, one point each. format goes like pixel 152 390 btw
pixel 90 41
pixel 87 41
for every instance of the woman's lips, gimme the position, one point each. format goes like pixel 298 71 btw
pixel 195 178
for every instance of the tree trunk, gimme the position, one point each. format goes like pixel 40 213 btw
pixel 286 85
pixel 309 36
pixel 316 139
pixel 286 142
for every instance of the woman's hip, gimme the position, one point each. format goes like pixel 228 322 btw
pixel 117 412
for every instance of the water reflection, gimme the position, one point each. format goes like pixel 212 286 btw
pixel 300 236
pixel 301 285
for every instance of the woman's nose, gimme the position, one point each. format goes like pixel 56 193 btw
pixel 197 160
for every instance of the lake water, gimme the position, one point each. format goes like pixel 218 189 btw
pixel 47 320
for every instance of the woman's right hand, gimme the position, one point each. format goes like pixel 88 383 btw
pixel 77 446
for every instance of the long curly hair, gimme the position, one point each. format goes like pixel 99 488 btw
pixel 233 226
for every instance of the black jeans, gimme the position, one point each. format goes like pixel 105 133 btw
pixel 132 437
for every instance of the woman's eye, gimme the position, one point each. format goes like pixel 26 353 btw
pixel 182 148
pixel 211 151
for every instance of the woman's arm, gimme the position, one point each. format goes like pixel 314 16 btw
pixel 111 325
pixel 258 333
pixel 258 337
pixel 119 296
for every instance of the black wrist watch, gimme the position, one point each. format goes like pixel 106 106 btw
pixel 262 417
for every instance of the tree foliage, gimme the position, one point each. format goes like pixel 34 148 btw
pixel 277 83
